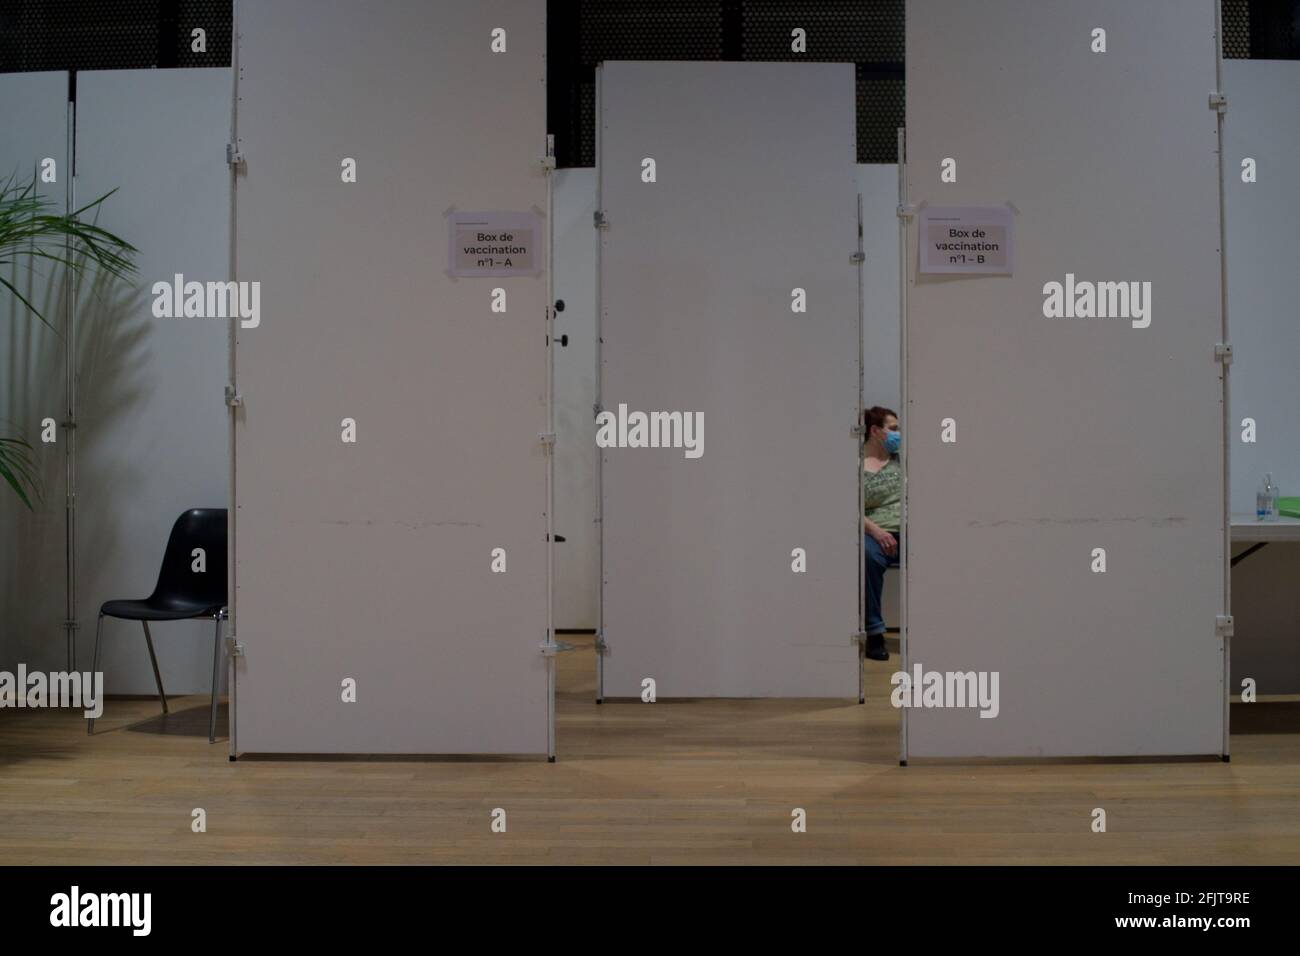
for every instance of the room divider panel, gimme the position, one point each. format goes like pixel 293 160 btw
pixel 728 296
pixel 1261 132
pixel 34 147
pixel 151 430
pixel 1261 140
pixel 392 396
pixel 1064 423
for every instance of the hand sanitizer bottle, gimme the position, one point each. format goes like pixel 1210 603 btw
pixel 1266 499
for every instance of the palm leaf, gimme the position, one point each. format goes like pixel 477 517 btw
pixel 32 229
pixel 18 468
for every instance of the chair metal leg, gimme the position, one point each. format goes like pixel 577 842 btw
pixel 99 629
pixel 216 680
pixel 862 660
pixel 157 675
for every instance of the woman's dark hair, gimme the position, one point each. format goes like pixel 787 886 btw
pixel 874 417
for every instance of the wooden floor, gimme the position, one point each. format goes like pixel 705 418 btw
pixel 673 782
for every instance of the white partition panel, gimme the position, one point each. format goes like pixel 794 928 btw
pixel 577 557
pixel 754 198
pixel 1074 436
pixel 1263 125
pixel 882 324
pixel 372 561
pixel 152 421
pixel 34 121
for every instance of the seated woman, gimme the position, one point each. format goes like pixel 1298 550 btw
pixel 882 494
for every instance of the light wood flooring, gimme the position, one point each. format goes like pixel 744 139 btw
pixel 678 782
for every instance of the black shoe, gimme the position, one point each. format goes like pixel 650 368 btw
pixel 876 649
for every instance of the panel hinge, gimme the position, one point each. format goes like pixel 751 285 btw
pixel 857 430
pixel 858 638
pixel 858 257
pixel 599 220
pixel 233 647
pixel 547 439
pixel 1218 102
pixel 906 210
pixel 233 398
pixel 233 156
pixel 596 409
pixel 1223 352
pixel 1223 625
pixel 547 163
pixel 551 648
pixel 601 646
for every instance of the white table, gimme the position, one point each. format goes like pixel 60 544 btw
pixel 1246 529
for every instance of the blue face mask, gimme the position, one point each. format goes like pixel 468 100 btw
pixel 892 441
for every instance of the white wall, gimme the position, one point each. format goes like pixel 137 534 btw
pixel 151 420
pixel 697 270
pixel 152 438
pixel 577 564
pixel 577 558
pixel 878 186
pixel 881 323
pixel 1071 434
pixel 34 118
pixel 1262 123
pixel 373 561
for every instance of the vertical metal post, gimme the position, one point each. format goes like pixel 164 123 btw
pixel 551 661
pixel 70 391
pixel 860 513
pixel 233 410
pixel 903 256
pixel 600 402
pixel 1225 372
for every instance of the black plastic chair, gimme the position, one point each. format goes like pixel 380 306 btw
pixel 182 593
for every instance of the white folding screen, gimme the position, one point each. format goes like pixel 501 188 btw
pixel 34 119
pixel 1078 441
pixel 882 326
pixel 1262 126
pixel 372 561
pixel 703 275
pixel 151 433
pixel 577 556
pixel 1261 133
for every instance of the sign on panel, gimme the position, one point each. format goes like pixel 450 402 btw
pixel 966 240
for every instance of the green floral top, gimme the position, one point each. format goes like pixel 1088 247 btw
pixel 882 495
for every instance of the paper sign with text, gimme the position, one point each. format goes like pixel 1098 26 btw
pixel 966 240
pixel 495 244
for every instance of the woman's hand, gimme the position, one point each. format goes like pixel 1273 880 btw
pixel 887 541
